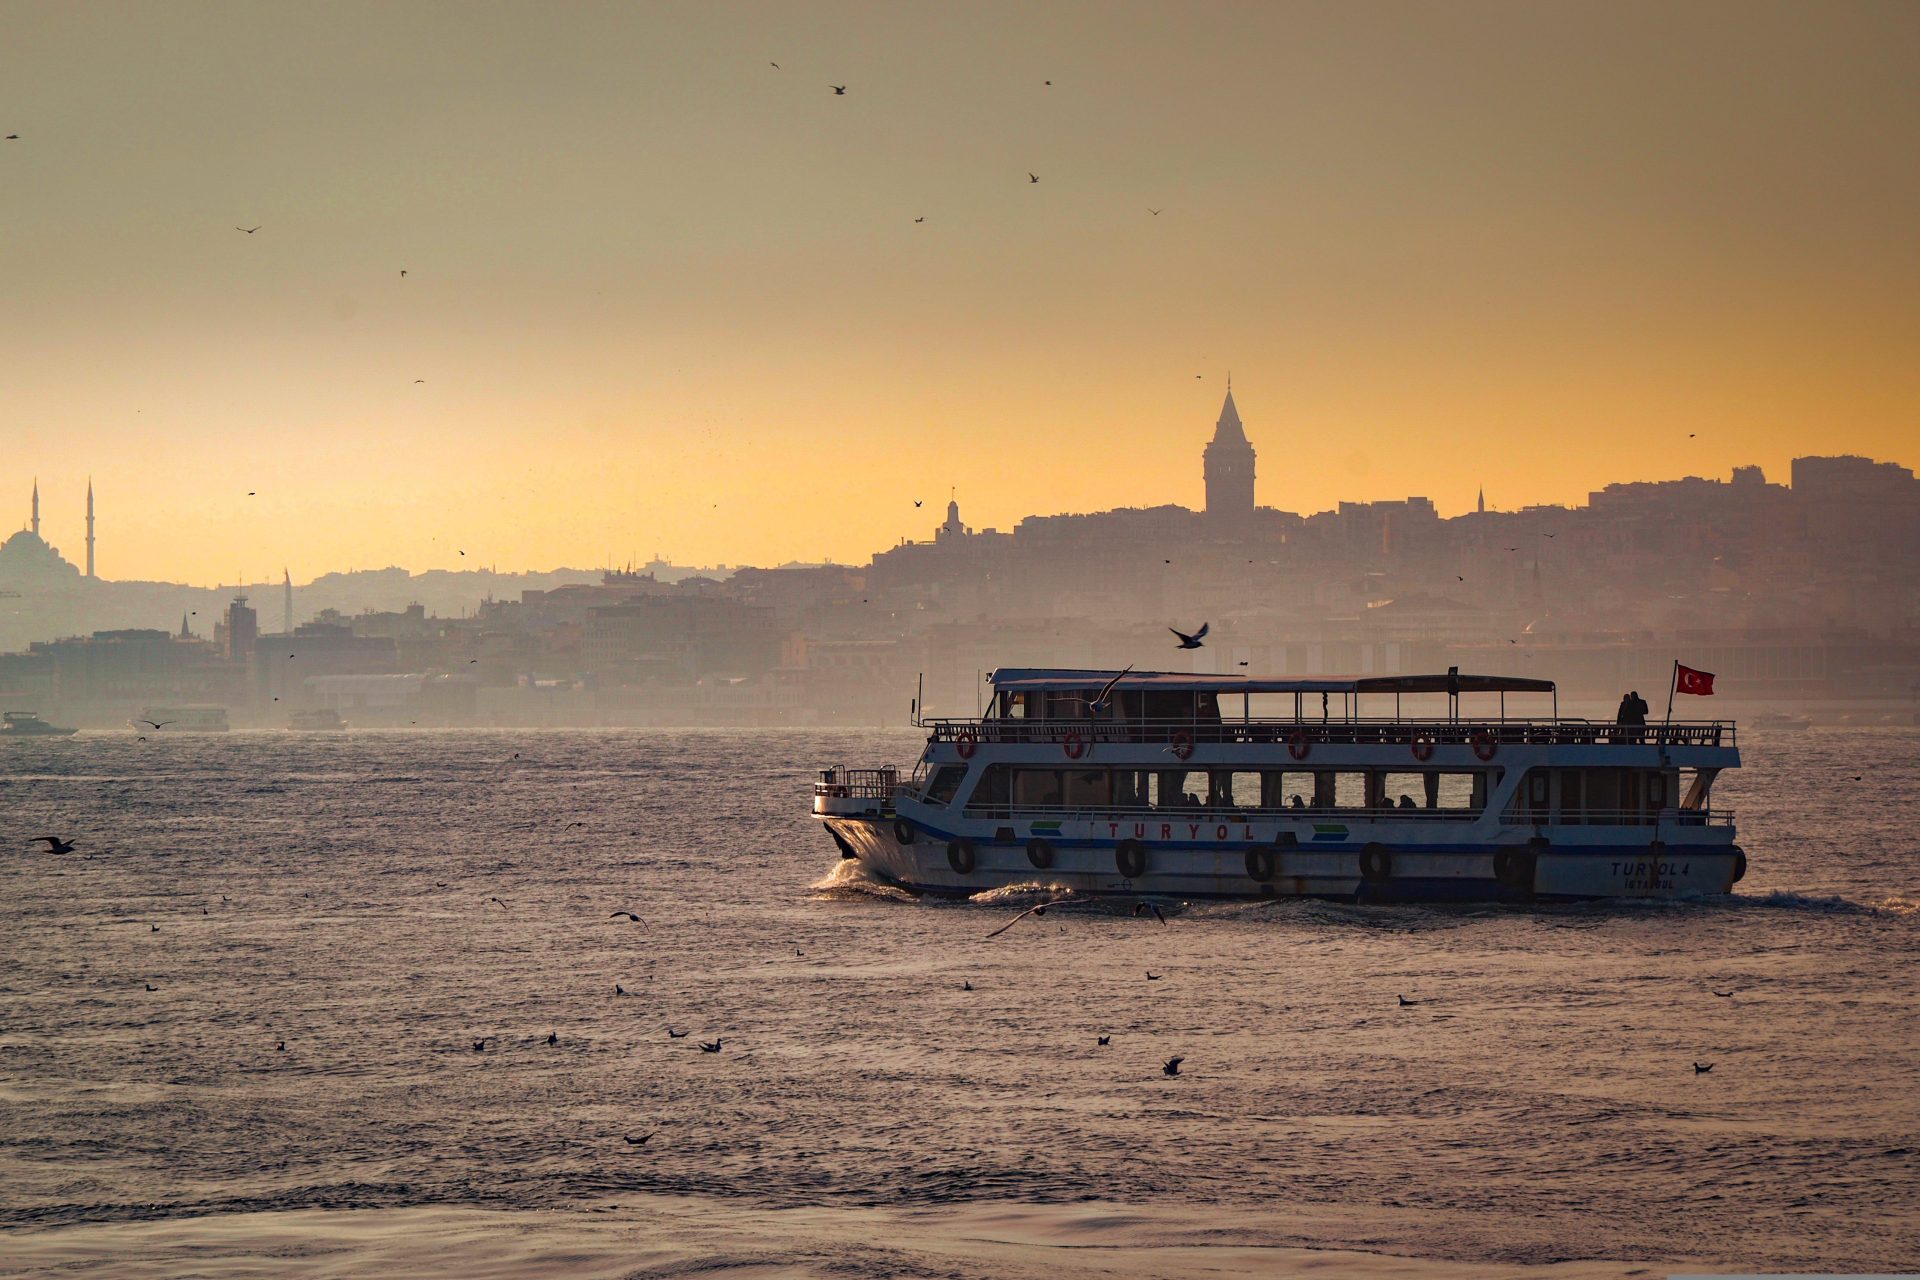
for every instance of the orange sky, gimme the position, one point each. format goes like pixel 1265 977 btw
pixel 666 297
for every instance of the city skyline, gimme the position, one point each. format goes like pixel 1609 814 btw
pixel 924 529
pixel 658 291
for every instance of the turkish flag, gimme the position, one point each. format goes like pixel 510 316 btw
pixel 1687 680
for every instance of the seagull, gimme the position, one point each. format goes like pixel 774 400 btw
pixel 640 1141
pixel 1106 1039
pixel 54 844
pixel 917 502
pixel 1700 1070
pixel 839 90
pixel 403 273
pixel 677 1035
pixel 151 987
pixel 1033 177
pixel 1190 641
pixel 1173 1066
pixel 248 230
pixel 417 382
pixel 774 65
pixel 14 137
pixel 1457 576
pixel 1141 908
pixel 153 928
pixel 1154 212
pixel 157 724
pixel 711 1046
pixel 1243 664
pixel 1404 1002
pixel 921 218
pixel 1154 977
pixel 480 1045
pixel 501 905
pixel 1100 704
pixel 281 1047
pixel 1039 910
pixel 628 914
pixel 1724 995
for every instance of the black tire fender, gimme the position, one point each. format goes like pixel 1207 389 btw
pixel 960 856
pixel 1040 853
pixel 1130 859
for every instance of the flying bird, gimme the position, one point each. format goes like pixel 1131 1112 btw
pixel 1724 995
pixel 54 844
pixel 640 1141
pixel 1404 1002
pixel 774 65
pixel 711 1046
pixel 839 90
pixel 498 903
pixel 677 1035
pixel 1141 908
pixel 1035 911
pixel 480 1045
pixel 1154 977
pixel 13 137
pixel 1190 641
pixel 1106 1039
pixel 628 914
pixel 1033 177
pixel 1700 1070
pixel 248 230
pixel 281 1047
pixel 151 987
pixel 1173 1066
pixel 553 1037
pixel 966 985
pixel 1154 212
pixel 921 218
pixel 1100 704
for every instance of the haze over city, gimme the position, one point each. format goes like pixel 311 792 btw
pixel 662 295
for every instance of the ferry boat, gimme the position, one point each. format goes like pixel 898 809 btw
pixel 1209 786
pixel 196 719
pixel 325 718
pixel 28 724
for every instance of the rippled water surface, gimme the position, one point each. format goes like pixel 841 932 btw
pixel 379 902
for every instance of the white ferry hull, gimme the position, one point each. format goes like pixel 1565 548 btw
pixel 1355 871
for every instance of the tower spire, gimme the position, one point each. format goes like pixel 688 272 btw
pixel 36 506
pixel 89 526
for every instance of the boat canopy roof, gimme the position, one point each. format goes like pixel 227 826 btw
pixel 1068 679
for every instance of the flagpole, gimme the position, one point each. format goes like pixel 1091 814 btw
pixel 1672 684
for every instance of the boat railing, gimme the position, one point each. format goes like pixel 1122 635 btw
pixel 1217 814
pixel 857 784
pixel 1347 732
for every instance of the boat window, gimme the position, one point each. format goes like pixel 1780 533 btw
pixel 946 781
pixel 1087 788
pixel 1036 787
pixel 1207 707
pixel 1349 789
pixel 1241 790
pixel 1280 789
pixel 1016 705
pixel 994 789
pixel 1179 789
pixel 1408 791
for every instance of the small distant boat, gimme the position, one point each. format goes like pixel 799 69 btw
pixel 1781 722
pixel 28 724
pixel 316 721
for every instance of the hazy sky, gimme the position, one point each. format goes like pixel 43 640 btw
pixel 666 297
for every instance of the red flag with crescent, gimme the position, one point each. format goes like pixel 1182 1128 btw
pixel 1687 680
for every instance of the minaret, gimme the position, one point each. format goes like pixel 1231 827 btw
pixel 1483 500
pixel 1228 468
pixel 89 526
pixel 286 576
pixel 36 506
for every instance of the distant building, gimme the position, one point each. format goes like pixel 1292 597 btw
pixel 1228 467
pixel 239 630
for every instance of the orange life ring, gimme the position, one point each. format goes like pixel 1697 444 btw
pixel 1298 746
pixel 965 743
pixel 1182 744
pixel 1484 744
pixel 1073 744
pixel 1423 746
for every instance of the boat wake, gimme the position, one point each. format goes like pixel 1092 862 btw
pixel 850 881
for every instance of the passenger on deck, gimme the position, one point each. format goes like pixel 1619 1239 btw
pixel 1406 801
pixel 1296 802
